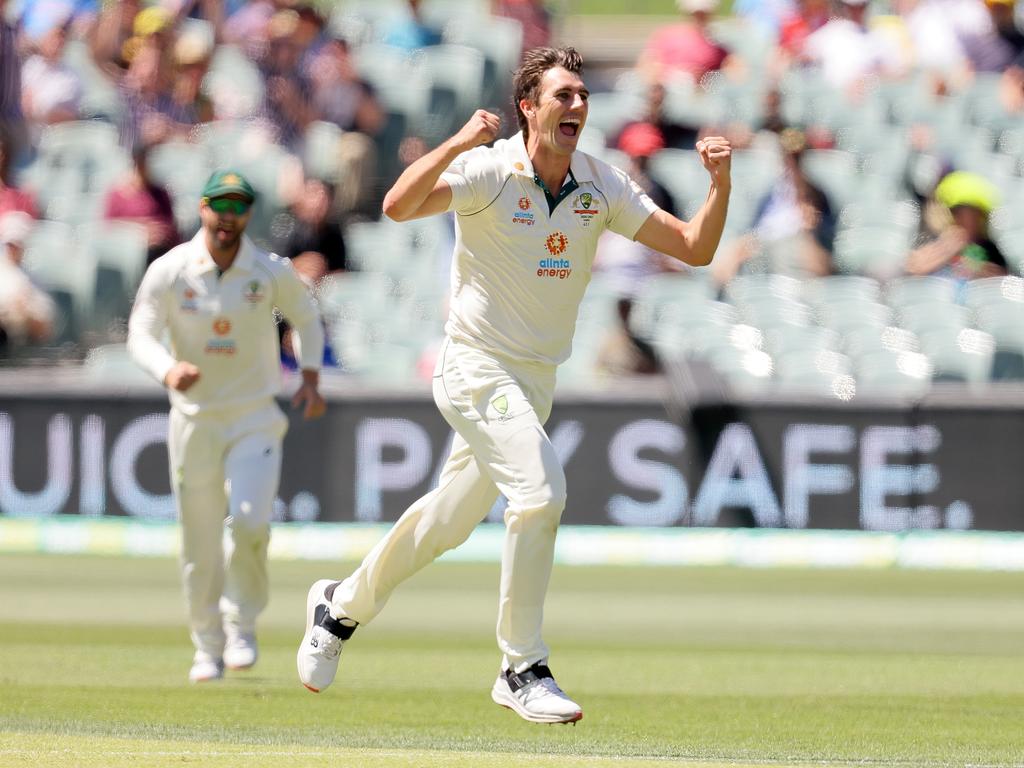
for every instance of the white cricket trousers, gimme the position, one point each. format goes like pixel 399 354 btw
pixel 497 409
pixel 228 464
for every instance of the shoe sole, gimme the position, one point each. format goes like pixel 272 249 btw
pixel 312 599
pixel 239 668
pixel 500 696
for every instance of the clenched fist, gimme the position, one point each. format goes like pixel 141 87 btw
pixel 481 128
pixel 182 376
pixel 716 155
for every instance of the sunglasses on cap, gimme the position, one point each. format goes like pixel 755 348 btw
pixel 228 205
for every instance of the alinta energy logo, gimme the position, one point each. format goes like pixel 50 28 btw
pixel 524 215
pixel 556 268
pixel 556 243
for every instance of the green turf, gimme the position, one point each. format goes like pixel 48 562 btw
pixel 673 666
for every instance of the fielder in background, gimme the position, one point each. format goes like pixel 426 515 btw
pixel 529 213
pixel 214 297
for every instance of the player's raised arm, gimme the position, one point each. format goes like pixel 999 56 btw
pixel 694 242
pixel 420 191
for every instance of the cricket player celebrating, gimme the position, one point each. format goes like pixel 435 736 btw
pixel 214 297
pixel 529 213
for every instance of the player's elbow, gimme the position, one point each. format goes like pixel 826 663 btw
pixel 393 208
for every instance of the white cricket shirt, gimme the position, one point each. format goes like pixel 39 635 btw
pixel 519 272
pixel 223 324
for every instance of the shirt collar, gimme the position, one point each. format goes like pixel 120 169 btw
pixel 519 161
pixel 202 262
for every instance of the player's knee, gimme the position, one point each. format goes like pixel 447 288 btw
pixel 545 504
pixel 244 524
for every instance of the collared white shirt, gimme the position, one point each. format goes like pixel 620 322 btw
pixel 222 323
pixel 519 271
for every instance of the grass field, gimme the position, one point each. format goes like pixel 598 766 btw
pixel 703 667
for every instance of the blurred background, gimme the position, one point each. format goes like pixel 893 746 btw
pixel 872 255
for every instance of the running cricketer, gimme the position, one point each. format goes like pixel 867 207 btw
pixel 529 213
pixel 214 297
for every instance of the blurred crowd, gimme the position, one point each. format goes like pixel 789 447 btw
pixel 879 139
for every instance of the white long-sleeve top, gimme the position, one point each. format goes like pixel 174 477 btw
pixel 222 323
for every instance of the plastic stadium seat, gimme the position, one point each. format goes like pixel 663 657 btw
pixel 456 75
pixel 56 261
pixel 964 355
pixel 876 252
pixel 500 39
pixel 869 340
pixel 233 83
pixel 833 288
pixel 744 287
pixel 659 293
pixel 989 291
pixel 118 248
pixel 934 316
pixel 893 374
pixel 679 171
pixel 111 365
pixel 769 311
pixel 846 316
pixel 357 296
pixel 785 339
pixel 907 291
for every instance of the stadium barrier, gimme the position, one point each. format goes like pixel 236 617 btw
pixel 950 463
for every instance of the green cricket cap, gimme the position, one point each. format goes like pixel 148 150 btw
pixel 228 182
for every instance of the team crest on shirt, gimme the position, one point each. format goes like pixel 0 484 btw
pixel 253 292
pixel 523 215
pixel 585 208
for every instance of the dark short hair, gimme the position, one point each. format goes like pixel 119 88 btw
pixel 537 61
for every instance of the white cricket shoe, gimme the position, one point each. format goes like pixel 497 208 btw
pixel 240 651
pixel 205 668
pixel 535 696
pixel 318 654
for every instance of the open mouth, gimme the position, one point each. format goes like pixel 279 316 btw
pixel 569 127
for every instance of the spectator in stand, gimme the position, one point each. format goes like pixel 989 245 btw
pixel 288 105
pixel 51 90
pixel 998 44
pixel 670 134
pixel 152 114
pixel 12 198
pixel 13 130
pixel 1011 86
pixel 311 268
pixel 628 264
pixel 313 228
pixel 113 38
pixel 534 17
pixel 685 48
pixel 795 224
pixel 848 51
pixel 410 31
pixel 806 17
pixel 140 199
pixel 956 226
pixel 340 96
pixel 26 311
